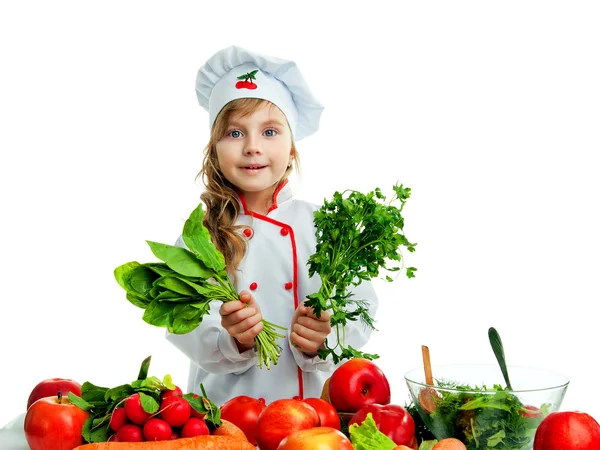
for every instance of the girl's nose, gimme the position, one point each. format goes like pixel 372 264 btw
pixel 252 145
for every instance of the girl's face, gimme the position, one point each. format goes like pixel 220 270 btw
pixel 254 153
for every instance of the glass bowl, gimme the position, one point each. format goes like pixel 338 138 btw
pixel 471 403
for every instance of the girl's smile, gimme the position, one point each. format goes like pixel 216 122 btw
pixel 252 169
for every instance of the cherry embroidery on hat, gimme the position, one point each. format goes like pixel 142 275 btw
pixel 247 83
pixel 289 285
pixel 253 286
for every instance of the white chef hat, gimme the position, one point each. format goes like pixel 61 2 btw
pixel 235 72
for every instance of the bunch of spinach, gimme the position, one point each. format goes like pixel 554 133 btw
pixel 102 401
pixel 176 293
pixel 358 235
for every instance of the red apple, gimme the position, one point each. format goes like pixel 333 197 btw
pixel 392 420
pixel 567 430
pixel 280 419
pixel 327 413
pixel 243 411
pixel 322 438
pixel 51 387
pixel 54 423
pixel 356 383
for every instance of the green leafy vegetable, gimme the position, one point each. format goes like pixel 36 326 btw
pixel 102 401
pixel 367 436
pixel 428 445
pixel 176 293
pixel 358 235
pixel 483 417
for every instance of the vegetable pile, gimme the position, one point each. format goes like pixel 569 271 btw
pixel 176 293
pixel 146 407
pixel 358 235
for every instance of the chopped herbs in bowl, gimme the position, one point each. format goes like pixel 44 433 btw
pixel 471 403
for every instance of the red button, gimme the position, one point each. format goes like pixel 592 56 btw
pixel 248 232
pixel 253 286
pixel 289 285
pixel 284 231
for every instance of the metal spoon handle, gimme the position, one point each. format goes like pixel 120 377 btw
pixel 498 349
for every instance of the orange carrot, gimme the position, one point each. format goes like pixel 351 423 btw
pixel 193 443
pixel 229 429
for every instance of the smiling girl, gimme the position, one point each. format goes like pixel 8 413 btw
pixel 259 106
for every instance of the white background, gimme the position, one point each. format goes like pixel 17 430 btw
pixel 489 111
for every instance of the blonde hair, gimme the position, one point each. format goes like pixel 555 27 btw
pixel 220 197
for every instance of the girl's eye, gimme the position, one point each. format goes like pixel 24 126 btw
pixel 270 132
pixel 235 134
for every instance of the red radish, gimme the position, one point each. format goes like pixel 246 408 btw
pixel 134 410
pixel 118 418
pixel 175 410
pixel 171 392
pixel 531 411
pixel 156 429
pixel 194 427
pixel 195 413
pixel 129 433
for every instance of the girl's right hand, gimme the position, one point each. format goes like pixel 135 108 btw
pixel 242 319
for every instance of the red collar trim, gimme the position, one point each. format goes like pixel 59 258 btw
pixel 274 206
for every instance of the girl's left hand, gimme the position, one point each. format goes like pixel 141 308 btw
pixel 308 332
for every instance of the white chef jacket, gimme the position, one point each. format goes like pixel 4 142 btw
pixel 274 269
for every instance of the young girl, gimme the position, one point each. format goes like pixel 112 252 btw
pixel 259 106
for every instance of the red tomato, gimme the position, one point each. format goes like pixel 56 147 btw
pixel 243 411
pixel 54 423
pixel 327 413
pixel 392 420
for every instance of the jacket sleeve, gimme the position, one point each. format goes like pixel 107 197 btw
pixel 210 346
pixel 357 334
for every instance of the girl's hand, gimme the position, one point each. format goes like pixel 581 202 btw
pixel 308 332
pixel 242 320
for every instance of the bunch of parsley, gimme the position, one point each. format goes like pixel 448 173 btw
pixel 358 235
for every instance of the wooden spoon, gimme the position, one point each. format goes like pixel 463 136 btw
pixel 428 397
